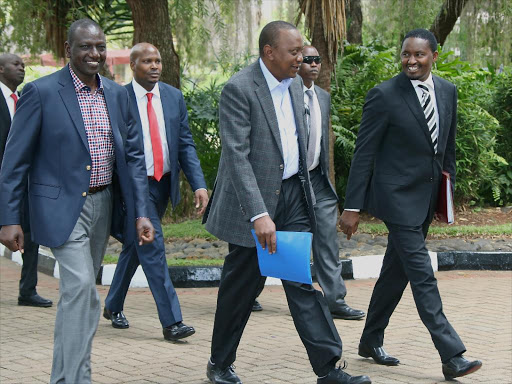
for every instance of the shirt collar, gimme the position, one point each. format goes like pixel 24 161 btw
pixel 429 82
pixel 7 91
pixel 272 82
pixel 310 89
pixel 141 92
pixel 79 84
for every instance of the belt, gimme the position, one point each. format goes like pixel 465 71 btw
pixel 93 190
pixel 164 175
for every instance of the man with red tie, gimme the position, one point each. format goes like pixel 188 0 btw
pixel 168 147
pixel 12 73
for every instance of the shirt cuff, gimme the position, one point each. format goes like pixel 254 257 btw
pixel 200 189
pixel 352 209
pixel 258 216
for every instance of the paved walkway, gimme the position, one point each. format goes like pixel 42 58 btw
pixel 270 351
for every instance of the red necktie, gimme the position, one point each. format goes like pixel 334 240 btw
pixel 15 98
pixel 156 142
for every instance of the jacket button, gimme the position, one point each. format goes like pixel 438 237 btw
pixel 88 167
pixel 84 194
pixel 281 166
pixel 431 179
pixel 277 191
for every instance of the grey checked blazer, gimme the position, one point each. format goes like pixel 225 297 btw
pixel 251 164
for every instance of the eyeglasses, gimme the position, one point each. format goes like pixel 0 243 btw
pixel 310 59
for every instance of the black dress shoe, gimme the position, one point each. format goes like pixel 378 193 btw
pixel 339 376
pixel 256 306
pixel 378 354
pixel 347 313
pixel 118 319
pixel 217 375
pixel 458 366
pixel 178 331
pixel 34 301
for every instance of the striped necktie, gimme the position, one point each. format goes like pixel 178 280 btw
pixel 428 110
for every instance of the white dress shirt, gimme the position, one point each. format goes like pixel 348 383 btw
pixel 6 91
pixel 429 83
pixel 286 121
pixel 142 104
pixel 318 124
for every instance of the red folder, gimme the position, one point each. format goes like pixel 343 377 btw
pixel 444 209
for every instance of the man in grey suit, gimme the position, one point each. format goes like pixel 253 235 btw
pixel 262 184
pixel 405 141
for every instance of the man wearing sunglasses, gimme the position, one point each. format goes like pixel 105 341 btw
pixel 325 241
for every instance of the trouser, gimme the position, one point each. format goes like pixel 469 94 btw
pixel 239 284
pixel 325 243
pixel 28 280
pixel 154 263
pixel 407 260
pixel 78 310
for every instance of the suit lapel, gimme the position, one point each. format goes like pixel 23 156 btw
pixel 164 97
pixel 297 96
pixel 411 99
pixel 70 100
pixel 267 105
pixel 134 107
pixel 4 110
pixel 324 110
pixel 111 107
pixel 441 108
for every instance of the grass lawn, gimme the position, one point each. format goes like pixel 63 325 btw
pixel 112 259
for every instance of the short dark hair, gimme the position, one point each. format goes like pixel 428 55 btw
pixel 270 33
pixel 82 23
pixel 423 34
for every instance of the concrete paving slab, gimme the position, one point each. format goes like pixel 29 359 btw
pixel 478 303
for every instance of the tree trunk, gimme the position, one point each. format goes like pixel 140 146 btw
pixel 151 24
pixel 324 78
pixel 446 19
pixel 355 22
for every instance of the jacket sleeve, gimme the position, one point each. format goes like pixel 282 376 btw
pixel 374 123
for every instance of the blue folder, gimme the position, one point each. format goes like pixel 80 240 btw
pixel 292 258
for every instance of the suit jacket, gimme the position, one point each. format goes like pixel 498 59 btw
pixel 395 173
pixel 5 125
pixel 324 99
pixel 48 140
pixel 182 153
pixel 251 165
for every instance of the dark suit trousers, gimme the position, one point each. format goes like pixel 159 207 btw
pixel 407 260
pixel 239 285
pixel 28 280
pixel 152 258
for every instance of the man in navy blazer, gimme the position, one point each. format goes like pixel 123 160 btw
pixel 405 141
pixel 163 127
pixel 71 137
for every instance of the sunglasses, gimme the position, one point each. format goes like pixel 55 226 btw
pixel 310 59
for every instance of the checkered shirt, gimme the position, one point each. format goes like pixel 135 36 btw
pixel 97 127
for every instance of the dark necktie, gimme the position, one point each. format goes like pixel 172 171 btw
pixel 156 141
pixel 428 110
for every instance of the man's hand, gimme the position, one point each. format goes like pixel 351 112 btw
pixel 12 237
pixel 145 230
pixel 266 232
pixel 349 221
pixel 201 200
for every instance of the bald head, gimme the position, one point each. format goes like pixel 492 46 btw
pixel 146 64
pixel 12 70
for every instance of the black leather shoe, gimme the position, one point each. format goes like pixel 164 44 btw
pixel 217 375
pixel 458 366
pixel 256 306
pixel 118 319
pixel 339 376
pixel 34 301
pixel 347 313
pixel 378 354
pixel 178 331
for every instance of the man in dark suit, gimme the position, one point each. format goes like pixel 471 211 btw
pixel 12 73
pixel 406 139
pixel 263 183
pixel 163 127
pixel 72 131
